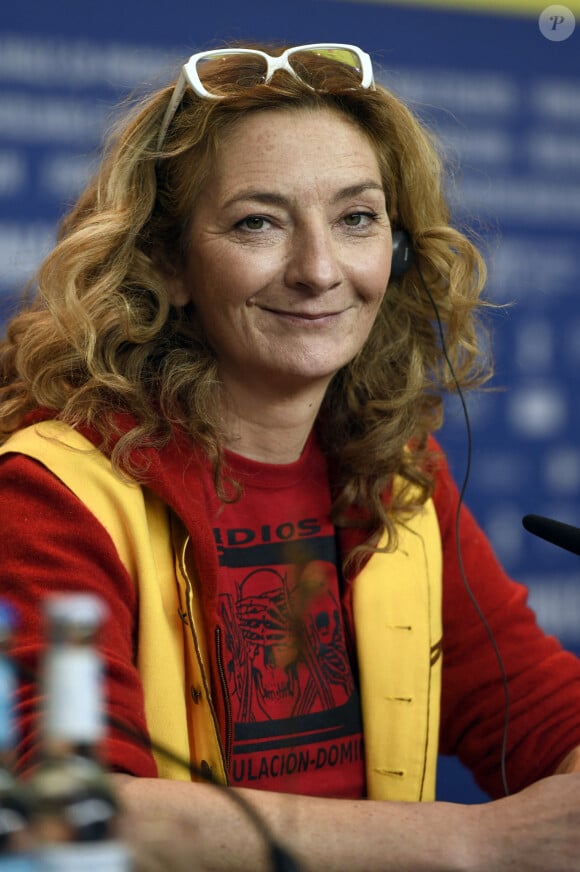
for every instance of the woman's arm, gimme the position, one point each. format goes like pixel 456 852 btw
pixel 543 679
pixel 533 831
pixel 50 542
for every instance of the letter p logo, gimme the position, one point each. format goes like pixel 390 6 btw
pixel 557 23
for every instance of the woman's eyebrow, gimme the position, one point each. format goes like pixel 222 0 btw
pixel 267 197
pixel 272 198
pixel 355 190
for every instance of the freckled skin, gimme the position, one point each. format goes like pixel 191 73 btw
pixel 289 251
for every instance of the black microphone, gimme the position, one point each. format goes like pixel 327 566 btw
pixel 564 535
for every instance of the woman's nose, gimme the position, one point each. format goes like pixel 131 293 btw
pixel 313 261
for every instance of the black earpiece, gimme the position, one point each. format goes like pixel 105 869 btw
pixel 402 253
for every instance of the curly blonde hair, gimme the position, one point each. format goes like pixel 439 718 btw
pixel 102 336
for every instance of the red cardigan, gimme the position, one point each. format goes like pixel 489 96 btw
pixel 49 540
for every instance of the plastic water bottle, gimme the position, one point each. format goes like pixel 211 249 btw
pixel 76 810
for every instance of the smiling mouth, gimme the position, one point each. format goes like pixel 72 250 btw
pixel 304 316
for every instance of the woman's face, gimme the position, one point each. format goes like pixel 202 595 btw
pixel 289 249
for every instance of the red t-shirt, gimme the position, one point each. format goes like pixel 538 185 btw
pixel 293 696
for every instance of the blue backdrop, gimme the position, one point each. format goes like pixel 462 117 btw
pixel 505 100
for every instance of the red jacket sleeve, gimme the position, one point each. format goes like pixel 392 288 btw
pixel 543 679
pixel 50 542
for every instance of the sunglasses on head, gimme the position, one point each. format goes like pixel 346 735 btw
pixel 219 73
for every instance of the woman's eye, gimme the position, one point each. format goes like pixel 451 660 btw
pixel 359 219
pixel 252 222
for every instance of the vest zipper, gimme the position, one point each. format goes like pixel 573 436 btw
pixel 193 633
pixel 226 698
pixel 190 622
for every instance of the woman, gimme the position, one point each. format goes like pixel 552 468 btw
pixel 229 317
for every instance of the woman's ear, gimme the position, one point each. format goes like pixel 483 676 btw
pixel 173 277
pixel 179 294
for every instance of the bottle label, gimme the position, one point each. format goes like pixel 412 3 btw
pixel 88 857
pixel 74 703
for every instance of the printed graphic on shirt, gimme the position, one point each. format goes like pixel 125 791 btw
pixel 294 702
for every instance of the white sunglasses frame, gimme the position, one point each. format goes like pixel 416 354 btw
pixel 189 75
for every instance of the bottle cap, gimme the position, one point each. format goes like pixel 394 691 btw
pixel 82 610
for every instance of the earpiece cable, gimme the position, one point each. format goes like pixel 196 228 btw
pixel 281 860
pixel 463 488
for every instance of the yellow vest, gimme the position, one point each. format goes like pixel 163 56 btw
pixel 397 616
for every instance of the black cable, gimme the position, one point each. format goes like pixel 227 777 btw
pixel 280 859
pixel 463 488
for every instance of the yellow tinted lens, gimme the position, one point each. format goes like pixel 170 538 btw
pixel 225 74
pixel 312 67
pixel 342 55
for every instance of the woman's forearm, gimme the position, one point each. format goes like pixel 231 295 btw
pixel 218 833
pixel 199 827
